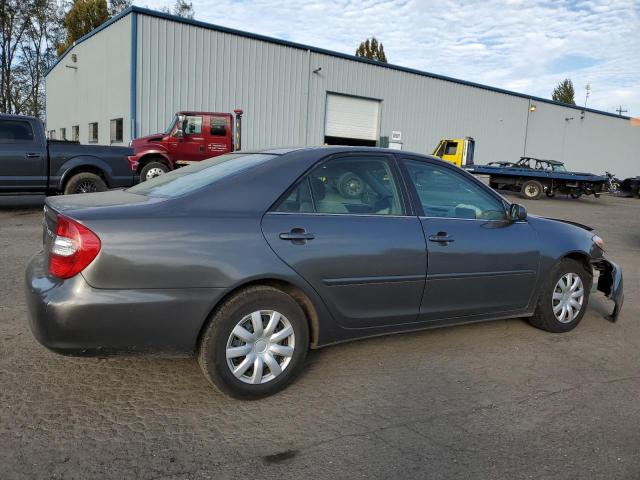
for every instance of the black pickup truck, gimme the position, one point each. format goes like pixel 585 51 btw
pixel 29 163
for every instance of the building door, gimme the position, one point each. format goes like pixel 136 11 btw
pixel 351 120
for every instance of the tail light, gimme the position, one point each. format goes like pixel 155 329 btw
pixel 73 248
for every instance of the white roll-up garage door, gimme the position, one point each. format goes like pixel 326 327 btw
pixel 352 117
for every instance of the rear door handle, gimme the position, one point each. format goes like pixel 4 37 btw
pixel 441 237
pixel 32 155
pixel 297 236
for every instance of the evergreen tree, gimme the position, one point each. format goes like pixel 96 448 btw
pixel 372 50
pixel 564 92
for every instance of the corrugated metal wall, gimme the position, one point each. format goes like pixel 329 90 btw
pixel 96 88
pixel 182 67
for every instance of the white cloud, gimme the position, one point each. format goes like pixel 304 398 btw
pixel 527 46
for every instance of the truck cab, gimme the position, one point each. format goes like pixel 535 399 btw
pixel 189 137
pixel 458 151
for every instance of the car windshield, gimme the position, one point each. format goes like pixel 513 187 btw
pixel 559 168
pixel 170 127
pixel 188 179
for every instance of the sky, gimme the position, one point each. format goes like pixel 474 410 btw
pixel 527 46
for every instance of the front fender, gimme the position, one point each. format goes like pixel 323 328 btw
pixel 136 160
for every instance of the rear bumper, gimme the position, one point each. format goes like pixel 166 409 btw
pixel 71 317
pixel 610 283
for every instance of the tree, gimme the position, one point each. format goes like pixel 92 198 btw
pixel 84 16
pixel 30 29
pixel 181 8
pixel 564 92
pixel 117 6
pixel 372 50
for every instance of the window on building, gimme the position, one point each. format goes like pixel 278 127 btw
pixel 75 133
pixel 52 134
pixel 116 130
pixel 63 134
pixel 219 126
pixel 15 131
pixel 93 132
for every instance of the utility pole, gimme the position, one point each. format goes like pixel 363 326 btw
pixel 621 111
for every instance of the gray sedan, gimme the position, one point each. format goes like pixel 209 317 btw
pixel 250 259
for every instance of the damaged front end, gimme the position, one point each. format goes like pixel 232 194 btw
pixel 610 283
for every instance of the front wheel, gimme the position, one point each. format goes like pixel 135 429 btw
pixel 153 170
pixel 255 344
pixel 563 300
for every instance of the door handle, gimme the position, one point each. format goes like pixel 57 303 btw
pixel 441 237
pixel 32 155
pixel 297 236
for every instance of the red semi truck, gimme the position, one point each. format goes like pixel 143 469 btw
pixel 190 137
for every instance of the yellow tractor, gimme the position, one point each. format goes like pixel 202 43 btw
pixel 458 151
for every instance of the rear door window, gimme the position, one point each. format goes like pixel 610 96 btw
pixel 15 131
pixel 356 185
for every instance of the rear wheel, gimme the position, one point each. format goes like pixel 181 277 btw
pixel 563 300
pixel 255 344
pixel 152 170
pixel 575 195
pixel 85 182
pixel 550 193
pixel 532 190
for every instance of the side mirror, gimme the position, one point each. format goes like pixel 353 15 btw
pixel 517 212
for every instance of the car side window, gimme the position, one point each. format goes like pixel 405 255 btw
pixel 446 193
pixel 348 185
pixel 219 126
pixel 15 131
pixel 193 125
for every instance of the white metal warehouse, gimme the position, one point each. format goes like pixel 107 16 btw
pixel 128 77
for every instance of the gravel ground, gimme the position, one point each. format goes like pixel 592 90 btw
pixel 498 400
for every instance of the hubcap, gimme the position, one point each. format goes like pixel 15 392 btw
pixel 154 172
pixel 532 190
pixel 260 347
pixel 86 187
pixel 567 299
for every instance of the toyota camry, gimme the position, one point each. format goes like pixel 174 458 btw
pixel 249 259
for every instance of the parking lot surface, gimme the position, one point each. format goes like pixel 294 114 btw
pixel 496 400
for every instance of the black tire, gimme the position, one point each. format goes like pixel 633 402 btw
pixel 212 352
pixel 152 169
pixel 350 185
pixel 85 182
pixel 544 317
pixel 532 190
pixel 549 193
pixel 575 195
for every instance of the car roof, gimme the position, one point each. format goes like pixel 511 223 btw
pixel 331 149
pixel 5 116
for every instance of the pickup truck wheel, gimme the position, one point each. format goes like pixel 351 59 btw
pixel 255 344
pixel 153 170
pixel 532 190
pixel 550 193
pixel 563 300
pixel 575 195
pixel 85 182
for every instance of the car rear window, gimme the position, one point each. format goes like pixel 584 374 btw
pixel 188 179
